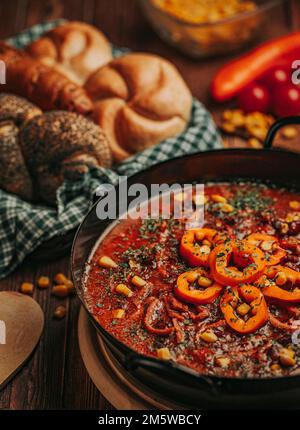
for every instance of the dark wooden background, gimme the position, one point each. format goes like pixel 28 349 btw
pixel 55 377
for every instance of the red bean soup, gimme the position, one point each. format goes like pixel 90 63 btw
pixel 223 299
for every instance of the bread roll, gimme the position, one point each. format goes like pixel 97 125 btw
pixel 139 100
pixel 75 49
pixel 62 145
pixel 41 84
pixel 14 175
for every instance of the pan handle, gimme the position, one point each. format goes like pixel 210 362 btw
pixel 134 361
pixel 282 122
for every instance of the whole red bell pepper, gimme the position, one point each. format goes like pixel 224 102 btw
pixel 237 74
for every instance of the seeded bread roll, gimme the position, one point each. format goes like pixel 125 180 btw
pixel 14 175
pixel 62 145
pixel 17 109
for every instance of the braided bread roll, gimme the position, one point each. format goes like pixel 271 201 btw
pixel 41 84
pixel 75 49
pixel 39 151
pixel 139 100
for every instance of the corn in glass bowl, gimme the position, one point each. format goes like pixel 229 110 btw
pixel 206 28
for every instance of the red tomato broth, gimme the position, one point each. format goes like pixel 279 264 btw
pixel 150 249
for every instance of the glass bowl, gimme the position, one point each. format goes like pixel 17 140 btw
pixel 212 38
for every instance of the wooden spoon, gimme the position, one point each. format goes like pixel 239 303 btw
pixel 21 325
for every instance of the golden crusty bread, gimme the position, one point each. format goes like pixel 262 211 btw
pixel 75 49
pixel 139 100
pixel 41 84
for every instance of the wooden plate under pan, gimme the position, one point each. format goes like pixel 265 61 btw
pixel 116 385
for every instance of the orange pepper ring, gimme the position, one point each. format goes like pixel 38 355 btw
pixel 292 275
pixel 190 251
pixel 256 238
pixel 224 275
pixel 183 291
pixel 278 293
pixel 259 308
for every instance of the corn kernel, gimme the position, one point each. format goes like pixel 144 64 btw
pixel 287 357
pixel 218 199
pixel 203 281
pixel 289 218
pixel 222 362
pixel 228 127
pixel 70 286
pixel 289 132
pixel 199 199
pixel 60 312
pixel 132 264
pixel 123 289
pixel 238 118
pixel 258 131
pixel 254 143
pixel 199 235
pixel 296 216
pixel 107 262
pixel 43 282
pixel 280 279
pixel 138 282
pixel 227 114
pixel 284 228
pixel 163 353
pixel 60 278
pixel 60 290
pixel 227 208
pixel 243 309
pixel 294 204
pixel 118 313
pixel 275 368
pixel 267 245
pixel 27 288
pixel 179 197
pixel 208 336
pixel 192 276
pixel 204 249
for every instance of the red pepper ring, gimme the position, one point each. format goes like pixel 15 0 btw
pixel 248 262
pixel 259 309
pixel 282 325
pixel 152 315
pixel 269 245
pixel 194 250
pixel 197 296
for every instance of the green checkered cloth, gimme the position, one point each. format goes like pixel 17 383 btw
pixel 25 226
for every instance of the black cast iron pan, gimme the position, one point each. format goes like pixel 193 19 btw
pixel 171 380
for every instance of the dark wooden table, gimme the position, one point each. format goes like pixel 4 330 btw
pixel 55 377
